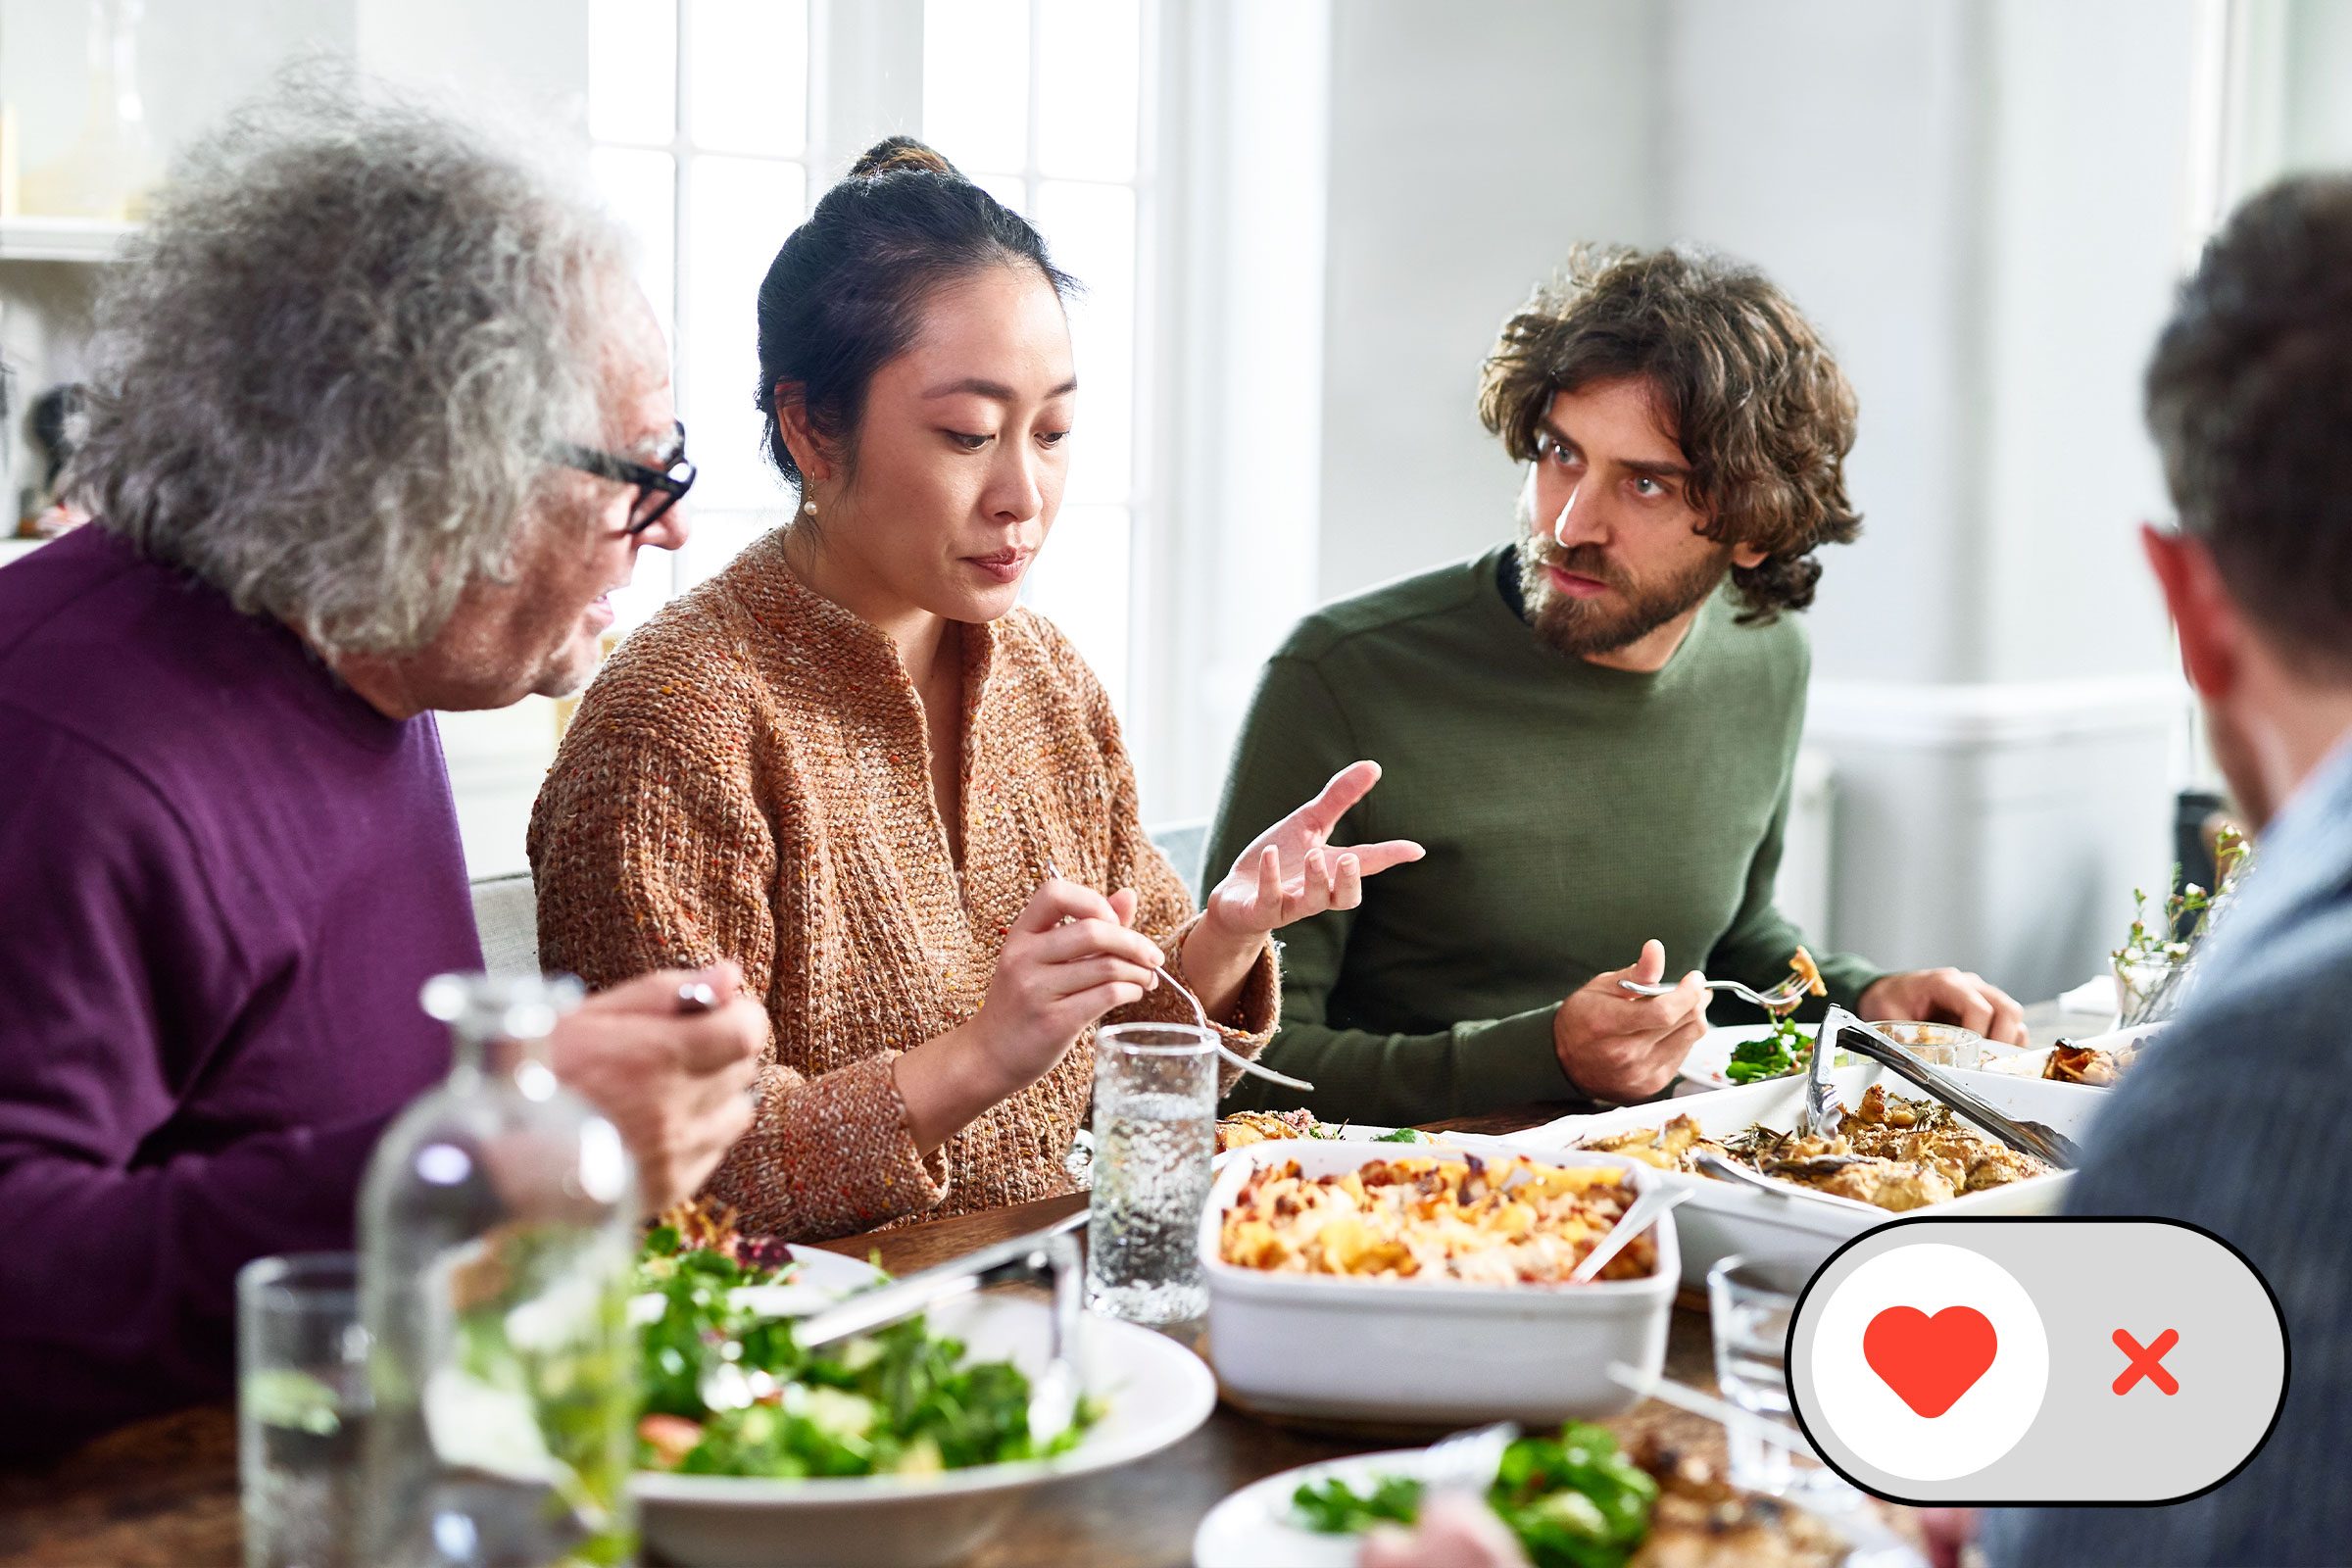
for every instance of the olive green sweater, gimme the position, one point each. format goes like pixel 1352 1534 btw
pixel 1570 812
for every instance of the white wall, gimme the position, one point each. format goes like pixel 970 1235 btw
pixel 1982 206
pixel 1470 146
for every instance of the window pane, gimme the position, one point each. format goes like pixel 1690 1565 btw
pixel 641 190
pixel 1010 189
pixel 977 83
pixel 719 537
pixel 1090 73
pixel 633 70
pixel 1080 583
pixel 739 211
pixel 647 590
pixel 747 75
pixel 1089 230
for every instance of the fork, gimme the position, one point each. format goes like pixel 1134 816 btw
pixel 1466 1461
pixel 1779 999
pixel 1254 1070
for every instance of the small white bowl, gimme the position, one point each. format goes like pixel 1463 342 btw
pixel 1156 1392
pixel 1434 1351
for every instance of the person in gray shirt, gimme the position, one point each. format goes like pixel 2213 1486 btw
pixel 2241 1119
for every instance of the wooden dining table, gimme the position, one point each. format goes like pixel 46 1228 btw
pixel 163 1494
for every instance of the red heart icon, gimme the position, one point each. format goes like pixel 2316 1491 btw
pixel 1930 1362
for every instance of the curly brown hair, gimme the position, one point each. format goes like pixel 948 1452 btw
pixel 1742 381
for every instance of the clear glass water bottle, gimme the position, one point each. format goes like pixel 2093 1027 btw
pixel 498 1229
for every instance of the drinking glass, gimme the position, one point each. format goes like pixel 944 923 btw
pixel 302 1408
pixel 1749 1302
pixel 1939 1045
pixel 1155 1133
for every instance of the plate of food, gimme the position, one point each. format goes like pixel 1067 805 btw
pixel 1749 1053
pixel 1244 1128
pixel 1746 1053
pixel 903 1448
pixel 1900 1152
pixel 1571 1496
pixel 2099 1062
pixel 1445 1268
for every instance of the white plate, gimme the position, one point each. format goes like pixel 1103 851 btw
pixel 1254 1528
pixel 1351 1131
pixel 1723 1218
pixel 1707 1059
pixel 1155 1391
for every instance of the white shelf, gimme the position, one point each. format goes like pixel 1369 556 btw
pixel 61 239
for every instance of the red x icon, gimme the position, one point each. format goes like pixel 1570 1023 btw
pixel 2144 1359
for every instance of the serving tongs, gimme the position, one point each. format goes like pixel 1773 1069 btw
pixel 1846 1032
pixel 1050 1254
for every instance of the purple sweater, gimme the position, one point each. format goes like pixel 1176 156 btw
pixel 223 878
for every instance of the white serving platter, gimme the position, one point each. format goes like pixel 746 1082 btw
pixel 1723 1219
pixel 1424 1351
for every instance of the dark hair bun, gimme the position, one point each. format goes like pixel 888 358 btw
pixel 898 153
pixel 846 293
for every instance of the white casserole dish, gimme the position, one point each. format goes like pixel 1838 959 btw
pixel 1725 1219
pixel 1425 1352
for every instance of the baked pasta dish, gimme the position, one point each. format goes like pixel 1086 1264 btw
pixel 1477 1221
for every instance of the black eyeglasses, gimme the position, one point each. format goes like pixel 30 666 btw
pixel 658 489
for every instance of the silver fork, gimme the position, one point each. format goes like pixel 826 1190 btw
pixel 1254 1070
pixel 1779 998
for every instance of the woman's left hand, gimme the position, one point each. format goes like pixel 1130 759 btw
pixel 1292 870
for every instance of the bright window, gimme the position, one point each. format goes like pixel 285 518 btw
pixel 699 111
pixel 1041 101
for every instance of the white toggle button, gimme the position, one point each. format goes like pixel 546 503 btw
pixel 2037 1360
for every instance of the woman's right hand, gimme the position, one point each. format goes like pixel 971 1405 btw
pixel 1070 958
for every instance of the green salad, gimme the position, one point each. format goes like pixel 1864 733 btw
pixel 899 1400
pixel 1574 1500
pixel 1773 1055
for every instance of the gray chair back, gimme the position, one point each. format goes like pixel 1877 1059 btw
pixel 506 914
pixel 1185 844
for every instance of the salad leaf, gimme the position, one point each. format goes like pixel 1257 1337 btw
pixel 900 1399
pixel 1771 1055
pixel 1403 1135
pixel 1334 1508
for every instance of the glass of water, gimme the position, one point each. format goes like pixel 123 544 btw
pixel 1749 1302
pixel 1155 1133
pixel 302 1408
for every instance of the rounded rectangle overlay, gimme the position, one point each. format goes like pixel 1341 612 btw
pixel 2037 1360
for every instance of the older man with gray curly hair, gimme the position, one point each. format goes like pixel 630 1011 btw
pixel 378 422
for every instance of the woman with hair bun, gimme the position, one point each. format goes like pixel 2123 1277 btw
pixel 852 764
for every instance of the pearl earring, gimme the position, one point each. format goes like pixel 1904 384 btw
pixel 809 506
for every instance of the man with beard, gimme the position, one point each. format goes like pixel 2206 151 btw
pixel 1591 730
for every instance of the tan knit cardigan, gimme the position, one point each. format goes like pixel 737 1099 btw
pixel 748 779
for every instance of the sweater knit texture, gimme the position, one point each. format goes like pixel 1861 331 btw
pixel 749 779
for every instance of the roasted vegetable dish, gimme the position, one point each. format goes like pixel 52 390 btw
pixel 1889 1151
pixel 2070 1063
